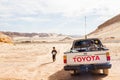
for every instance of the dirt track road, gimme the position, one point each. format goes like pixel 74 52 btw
pixel 38 65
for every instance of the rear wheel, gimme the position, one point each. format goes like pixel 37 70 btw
pixel 105 71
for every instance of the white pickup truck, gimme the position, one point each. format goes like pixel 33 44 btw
pixel 87 55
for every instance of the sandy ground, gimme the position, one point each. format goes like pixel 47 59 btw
pixel 33 62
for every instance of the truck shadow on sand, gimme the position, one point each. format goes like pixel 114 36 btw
pixel 65 75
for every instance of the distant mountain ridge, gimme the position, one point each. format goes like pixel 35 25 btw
pixel 18 34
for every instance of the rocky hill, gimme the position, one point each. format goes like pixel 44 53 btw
pixel 35 37
pixel 109 30
pixel 17 34
pixel 110 22
pixel 5 39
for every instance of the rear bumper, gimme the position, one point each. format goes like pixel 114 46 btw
pixel 88 67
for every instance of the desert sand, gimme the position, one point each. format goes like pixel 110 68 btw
pixel 32 61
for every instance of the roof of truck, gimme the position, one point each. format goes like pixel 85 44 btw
pixel 88 39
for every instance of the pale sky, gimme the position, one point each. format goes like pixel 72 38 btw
pixel 56 16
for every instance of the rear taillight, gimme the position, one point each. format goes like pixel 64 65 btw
pixel 108 56
pixel 65 59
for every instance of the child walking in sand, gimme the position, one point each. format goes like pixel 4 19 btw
pixel 54 52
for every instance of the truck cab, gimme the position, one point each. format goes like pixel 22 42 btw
pixel 87 55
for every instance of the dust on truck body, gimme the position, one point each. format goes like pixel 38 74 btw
pixel 87 55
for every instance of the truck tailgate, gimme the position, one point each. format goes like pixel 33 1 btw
pixel 96 57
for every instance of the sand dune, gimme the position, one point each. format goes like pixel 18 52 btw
pixel 108 31
pixel 111 32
